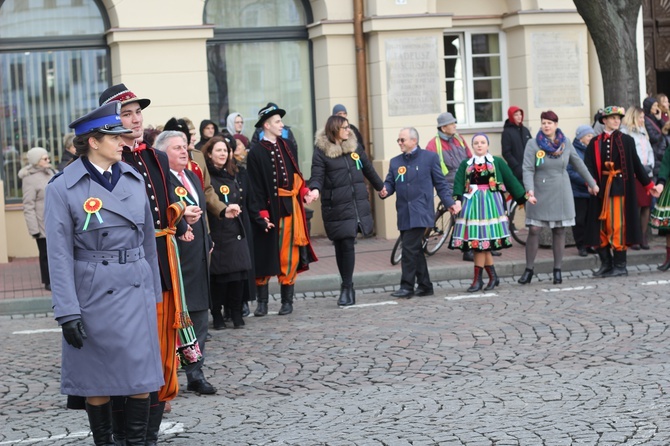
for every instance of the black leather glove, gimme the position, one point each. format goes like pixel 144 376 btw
pixel 74 334
pixel 36 236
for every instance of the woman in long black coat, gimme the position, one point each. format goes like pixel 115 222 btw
pixel 339 169
pixel 231 262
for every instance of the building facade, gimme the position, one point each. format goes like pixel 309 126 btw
pixel 204 59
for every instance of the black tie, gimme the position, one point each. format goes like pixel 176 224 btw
pixel 108 175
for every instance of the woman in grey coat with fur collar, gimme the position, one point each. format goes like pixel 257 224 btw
pixel 545 177
pixel 339 169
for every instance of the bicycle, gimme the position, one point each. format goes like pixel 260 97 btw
pixel 517 220
pixel 433 238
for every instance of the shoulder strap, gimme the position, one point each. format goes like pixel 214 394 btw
pixel 438 149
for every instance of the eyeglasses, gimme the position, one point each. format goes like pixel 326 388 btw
pixel 400 140
pixel 346 127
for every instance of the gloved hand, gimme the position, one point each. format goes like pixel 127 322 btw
pixel 74 334
pixel 36 236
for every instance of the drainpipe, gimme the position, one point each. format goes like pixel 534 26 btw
pixel 361 75
pixel 362 87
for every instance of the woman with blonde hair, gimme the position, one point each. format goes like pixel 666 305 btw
pixel 633 125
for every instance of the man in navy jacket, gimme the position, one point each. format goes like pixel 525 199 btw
pixel 413 175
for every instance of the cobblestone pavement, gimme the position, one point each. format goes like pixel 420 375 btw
pixel 582 363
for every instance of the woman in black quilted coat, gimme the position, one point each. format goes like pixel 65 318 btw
pixel 339 169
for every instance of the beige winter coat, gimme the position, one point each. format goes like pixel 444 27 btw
pixel 35 180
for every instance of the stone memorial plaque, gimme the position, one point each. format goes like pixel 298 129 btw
pixel 413 76
pixel 558 71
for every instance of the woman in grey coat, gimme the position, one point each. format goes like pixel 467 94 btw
pixel 105 279
pixel 545 177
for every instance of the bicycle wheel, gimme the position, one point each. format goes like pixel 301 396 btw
pixel 438 234
pixel 517 223
pixel 396 252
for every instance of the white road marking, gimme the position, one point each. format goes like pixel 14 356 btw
pixel 470 296
pixel 576 288
pixel 167 427
pixel 44 330
pixel 376 304
pixel 656 282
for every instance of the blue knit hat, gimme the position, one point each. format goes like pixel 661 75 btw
pixel 584 130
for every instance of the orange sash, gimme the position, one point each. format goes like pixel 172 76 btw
pixel 611 173
pixel 299 233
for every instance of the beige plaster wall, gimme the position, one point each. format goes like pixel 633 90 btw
pixel 520 68
pixel 19 242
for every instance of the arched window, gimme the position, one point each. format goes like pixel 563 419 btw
pixel 54 63
pixel 260 53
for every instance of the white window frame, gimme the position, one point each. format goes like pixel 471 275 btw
pixel 468 121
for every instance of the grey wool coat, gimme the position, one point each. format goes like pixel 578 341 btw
pixel 116 301
pixel 550 182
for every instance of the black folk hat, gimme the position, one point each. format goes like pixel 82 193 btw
pixel 121 93
pixel 269 110
pixel 179 125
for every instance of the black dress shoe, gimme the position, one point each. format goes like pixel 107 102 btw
pixel 582 252
pixel 423 293
pixel 645 247
pixel 403 293
pixel 48 285
pixel 245 309
pixel 201 386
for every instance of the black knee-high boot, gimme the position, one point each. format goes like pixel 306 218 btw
pixel 100 420
pixel 137 418
pixel 478 281
pixel 154 423
pixel 262 296
pixel 605 263
pixel 286 299
pixel 619 264
pixel 119 420
pixel 494 281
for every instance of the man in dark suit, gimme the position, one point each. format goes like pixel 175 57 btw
pixel 413 175
pixel 193 255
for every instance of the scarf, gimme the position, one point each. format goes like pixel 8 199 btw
pixel 554 148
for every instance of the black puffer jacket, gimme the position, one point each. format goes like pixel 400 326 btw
pixel 341 182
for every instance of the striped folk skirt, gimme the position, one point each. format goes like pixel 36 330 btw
pixel 482 224
pixel 660 214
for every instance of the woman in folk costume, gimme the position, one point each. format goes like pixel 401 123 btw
pixel 482 224
pixel 546 177
pixel 105 278
pixel 660 215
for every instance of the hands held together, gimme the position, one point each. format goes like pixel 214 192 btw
pixel 383 193
pixel 594 190
pixel 656 191
pixel 311 196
